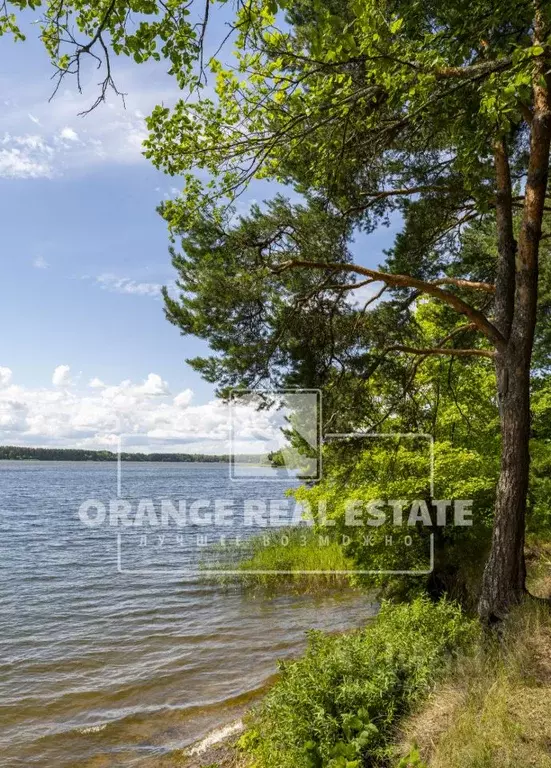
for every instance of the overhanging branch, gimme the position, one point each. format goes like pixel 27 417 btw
pixel 454 352
pixel 474 70
pixel 460 283
pixel 405 281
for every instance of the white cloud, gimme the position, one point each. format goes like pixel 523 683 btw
pixel 40 263
pixel 116 284
pixel 149 418
pixel 109 134
pixel 62 376
pixel 12 416
pixel 154 385
pixel 68 134
pixel 184 398
pixel 5 376
pixel 25 156
pixel 96 383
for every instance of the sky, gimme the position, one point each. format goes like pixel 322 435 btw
pixel 84 255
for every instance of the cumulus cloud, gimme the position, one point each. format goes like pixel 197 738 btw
pixel 145 413
pixel 62 376
pixel 184 398
pixel 154 385
pixel 5 376
pixel 68 134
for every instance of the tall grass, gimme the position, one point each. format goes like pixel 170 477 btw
pixel 493 711
pixel 293 559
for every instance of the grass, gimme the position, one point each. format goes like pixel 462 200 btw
pixel 280 561
pixel 493 711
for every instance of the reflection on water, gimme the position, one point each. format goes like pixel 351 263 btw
pixel 104 669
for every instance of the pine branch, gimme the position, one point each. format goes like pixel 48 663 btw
pixel 443 351
pixel 405 281
pixel 460 283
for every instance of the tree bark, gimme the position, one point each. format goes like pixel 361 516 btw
pixel 503 583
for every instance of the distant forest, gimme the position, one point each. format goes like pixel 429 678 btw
pixel 70 454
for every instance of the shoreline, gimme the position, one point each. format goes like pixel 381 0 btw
pixel 216 748
pixel 24 453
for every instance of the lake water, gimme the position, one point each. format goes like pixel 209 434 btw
pixel 116 652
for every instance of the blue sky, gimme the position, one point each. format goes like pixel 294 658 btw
pixel 83 247
pixel 84 251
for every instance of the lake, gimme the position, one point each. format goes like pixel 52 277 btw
pixel 114 650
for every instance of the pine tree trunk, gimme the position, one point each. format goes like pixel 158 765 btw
pixel 505 572
pixel 503 582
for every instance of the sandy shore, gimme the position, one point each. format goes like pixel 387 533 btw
pixel 216 749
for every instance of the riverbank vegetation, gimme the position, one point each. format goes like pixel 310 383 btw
pixel 453 404
pixel 422 687
pixel 340 703
pixel 295 560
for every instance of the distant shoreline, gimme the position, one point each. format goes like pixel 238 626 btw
pixel 22 453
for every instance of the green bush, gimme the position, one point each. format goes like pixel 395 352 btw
pixel 338 705
pixel 389 469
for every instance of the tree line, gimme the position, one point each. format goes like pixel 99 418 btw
pixel 18 453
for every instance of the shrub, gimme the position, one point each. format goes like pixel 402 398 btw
pixel 338 705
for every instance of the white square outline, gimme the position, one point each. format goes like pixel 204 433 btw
pixel 234 572
pixel 430 438
pixel 297 391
